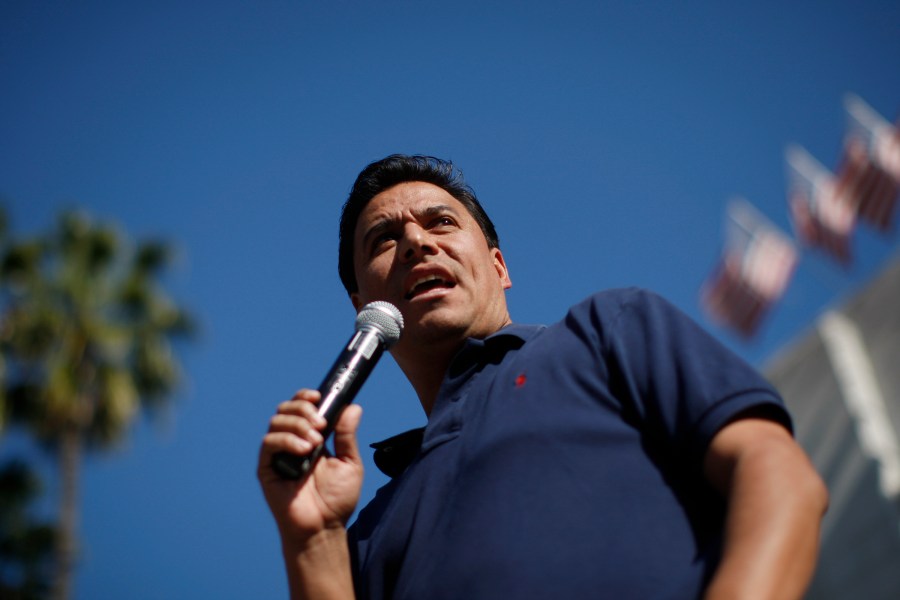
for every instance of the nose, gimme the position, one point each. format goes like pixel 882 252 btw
pixel 416 243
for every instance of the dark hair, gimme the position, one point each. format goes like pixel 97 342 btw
pixel 388 172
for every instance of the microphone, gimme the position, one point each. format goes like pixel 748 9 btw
pixel 378 327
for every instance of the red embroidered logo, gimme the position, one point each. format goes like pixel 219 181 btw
pixel 520 380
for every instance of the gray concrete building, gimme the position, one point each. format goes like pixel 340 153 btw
pixel 841 381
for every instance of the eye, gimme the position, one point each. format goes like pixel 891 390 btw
pixel 443 221
pixel 381 241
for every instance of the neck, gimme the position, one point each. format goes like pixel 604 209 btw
pixel 425 367
pixel 425 362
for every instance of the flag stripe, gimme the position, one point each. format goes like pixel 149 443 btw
pixel 871 164
pixel 755 269
pixel 822 206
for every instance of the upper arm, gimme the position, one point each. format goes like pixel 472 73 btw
pixel 762 453
pixel 775 501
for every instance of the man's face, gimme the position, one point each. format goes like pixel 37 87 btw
pixel 417 247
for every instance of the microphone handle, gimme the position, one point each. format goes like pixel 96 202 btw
pixel 340 386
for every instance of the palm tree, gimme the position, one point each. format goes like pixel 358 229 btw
pixel 26 544
pixel 86 335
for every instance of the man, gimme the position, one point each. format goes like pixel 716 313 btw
pixel 620 453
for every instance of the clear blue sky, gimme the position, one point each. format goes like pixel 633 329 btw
pixel 605 141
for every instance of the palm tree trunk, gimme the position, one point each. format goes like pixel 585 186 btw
pixel 69 461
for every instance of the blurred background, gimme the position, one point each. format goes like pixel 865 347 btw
pixel 606 140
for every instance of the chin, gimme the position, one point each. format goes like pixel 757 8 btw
pixel 437 325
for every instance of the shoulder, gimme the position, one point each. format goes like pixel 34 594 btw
pixel 622 310
pixel 612 302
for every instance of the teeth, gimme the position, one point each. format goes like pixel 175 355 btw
pixel 425 279
pixel 422 280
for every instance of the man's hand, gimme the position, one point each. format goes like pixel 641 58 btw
pixel 311 515
pixel 328 497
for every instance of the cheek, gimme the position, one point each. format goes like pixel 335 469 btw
pixel 374 274
pixel 475 255
pixel 462 249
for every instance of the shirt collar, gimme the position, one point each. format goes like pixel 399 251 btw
pixel 519 330
pixel 393 455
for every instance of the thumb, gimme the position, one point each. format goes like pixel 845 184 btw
pixel 345 444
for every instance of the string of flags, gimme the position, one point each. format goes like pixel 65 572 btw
pixel 758 259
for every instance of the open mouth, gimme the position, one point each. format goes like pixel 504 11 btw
pixel 427 283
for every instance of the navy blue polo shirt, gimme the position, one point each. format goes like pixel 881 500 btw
pixel 563 462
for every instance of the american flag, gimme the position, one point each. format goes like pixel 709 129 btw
pixel 822 210
pixel 756 266
pixel 870 168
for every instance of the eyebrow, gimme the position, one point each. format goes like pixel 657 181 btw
pixel 385 223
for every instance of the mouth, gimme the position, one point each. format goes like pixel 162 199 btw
pixel 427 283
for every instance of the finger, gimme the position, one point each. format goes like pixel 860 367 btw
pixel 307 394
pixel 345 444
pixel 273 443
pixel 296 425
pixel 304 396
pixel 303 408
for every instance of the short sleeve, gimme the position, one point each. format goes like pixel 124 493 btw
pixel 678 380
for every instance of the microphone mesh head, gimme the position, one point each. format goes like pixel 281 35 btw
pixel 383 316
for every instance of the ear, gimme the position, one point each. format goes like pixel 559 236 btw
pixel 500 266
